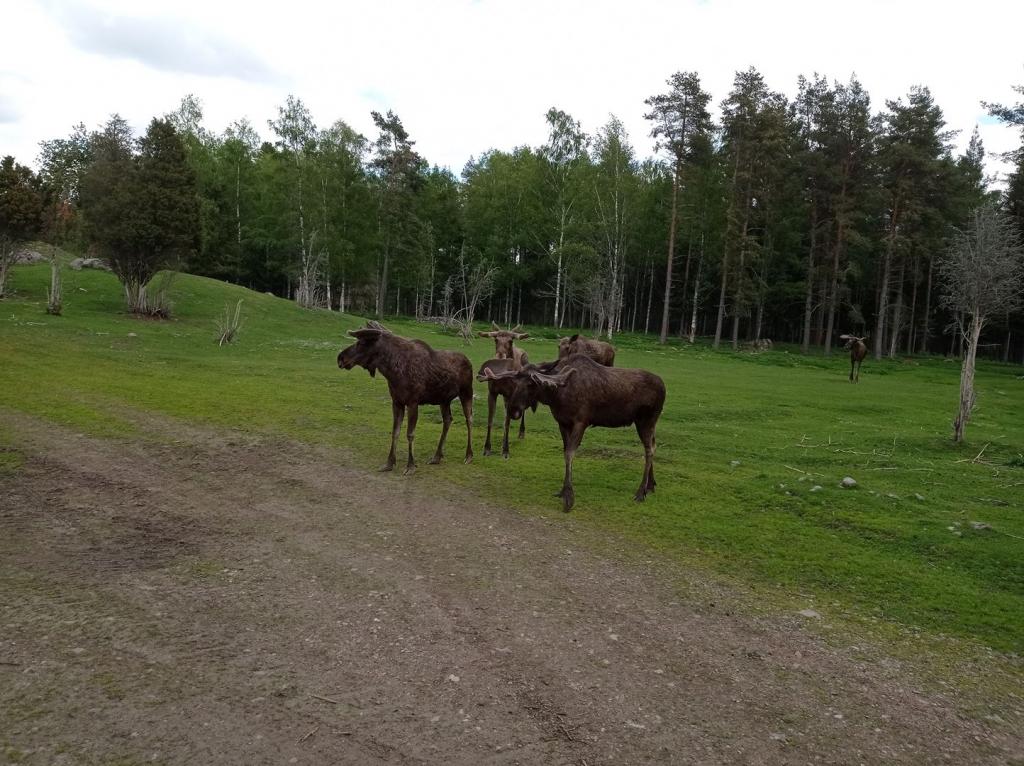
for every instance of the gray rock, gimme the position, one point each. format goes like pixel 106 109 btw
pixel 734 463
pixel 89 263
pixel 816 488
pixel 810 614
pixel 848 482
pixel 980 525
pixel 28 256
pixel 919 497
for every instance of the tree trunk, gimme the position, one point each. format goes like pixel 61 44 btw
pixel 911 334
pixel 898 313
pixel 926 324
pixel 686 280
pixel 963 416
pixel 805 344
pixel 650 300
pixel 883 293
pixel 671 254
pixel 696 289
pixel 636 300
pixel 54 303
pixel 738 301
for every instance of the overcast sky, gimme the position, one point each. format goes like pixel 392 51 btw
pixel 469 75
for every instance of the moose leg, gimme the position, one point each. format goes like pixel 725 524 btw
pixel 853 364
pixel 645 431
pixel 508 423
pixel 492 400
pixel 857 379
pixel 522 426
pixel 414 414
pixel 398 414
pixel 446 423
pixel 467 410
pixel 572 443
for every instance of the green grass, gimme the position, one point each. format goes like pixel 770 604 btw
pixel 791 423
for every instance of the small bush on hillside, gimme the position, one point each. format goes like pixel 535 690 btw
pixel 229 325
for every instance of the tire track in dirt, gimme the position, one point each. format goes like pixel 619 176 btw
pixel 224 597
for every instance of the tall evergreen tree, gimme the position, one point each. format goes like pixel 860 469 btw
pixel 140 207
pixel 912 147
pixel 399 171
pixel 680 118
pixel 21 207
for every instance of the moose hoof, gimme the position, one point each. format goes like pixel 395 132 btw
pixel 505 455
pixel 640 496
pixel 487 452
pixel 409 469
pixel 386 468
pixel 436 460
pixel 469 459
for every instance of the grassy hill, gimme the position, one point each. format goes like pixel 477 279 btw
pixel 751 448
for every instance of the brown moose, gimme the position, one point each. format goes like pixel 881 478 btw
pixel 582 393
pixel 858 350
pixel 506 357
pixel 416 374
pixel 504 344
pixel 598 350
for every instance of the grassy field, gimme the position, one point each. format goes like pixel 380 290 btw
pixel 751 448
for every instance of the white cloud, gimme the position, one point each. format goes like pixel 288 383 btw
pixel 467 75
pixel 163 42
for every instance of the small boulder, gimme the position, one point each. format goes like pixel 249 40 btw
pixel 816 488
pixel 89 263
pixel 981 526
pixel 29 256
pixel 848 482
pixel 810 614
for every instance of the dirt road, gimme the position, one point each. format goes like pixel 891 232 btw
pixel 221 598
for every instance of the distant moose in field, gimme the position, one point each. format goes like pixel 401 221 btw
pixel 507 357
pixel 582 393
pixel 598 350
pixel 858 350
pixel 416 374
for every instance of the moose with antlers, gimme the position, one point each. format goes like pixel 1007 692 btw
pixel 506 357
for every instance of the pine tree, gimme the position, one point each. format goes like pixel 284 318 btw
pixel 680 118
pixel 21 206
pixel 140 208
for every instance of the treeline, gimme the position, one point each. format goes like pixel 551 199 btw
pixel 793 220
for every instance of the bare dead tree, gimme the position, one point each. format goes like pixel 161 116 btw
pixel 982 275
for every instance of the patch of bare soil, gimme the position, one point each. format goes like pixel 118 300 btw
pixel 223 598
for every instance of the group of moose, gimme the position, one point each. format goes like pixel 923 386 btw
pixel 581 388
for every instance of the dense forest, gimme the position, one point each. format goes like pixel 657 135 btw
pixel 789 219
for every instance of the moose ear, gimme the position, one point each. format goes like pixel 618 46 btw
pixel 574 338
pixel 522 335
